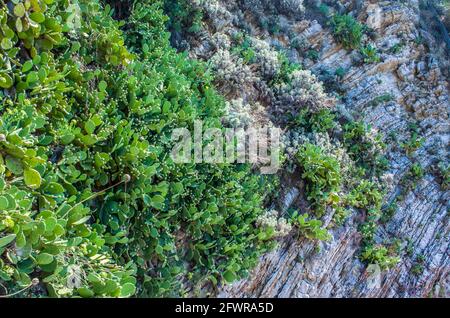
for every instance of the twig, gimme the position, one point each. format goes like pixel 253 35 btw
pixel 34 282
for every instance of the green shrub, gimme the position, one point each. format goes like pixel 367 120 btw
pixel 273 25
pixel 347 31
pixel 322 121
pixel 324 9
pixel 365 195
pixel 340 215
pixel 411 177
pixel 397 48
pixel 369 54
pixel 55 130
pixel 340 72
pixel 91 203
pixel 325 182
pixel 379 254
pixel 389 211
pixel 368 197
pixel 321 173
pixel 286 69
pixel 412 144
pixel 443 171
pixel 313 55
pixel 365 147
pixel 419 265
pixel 310 228
pixel 183 16
pixel 244 49
pixel 416 171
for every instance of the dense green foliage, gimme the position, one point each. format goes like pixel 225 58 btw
pixel 321 121
pixel 90 202
pixel 321 173
pixel 183 17
pixel 347 30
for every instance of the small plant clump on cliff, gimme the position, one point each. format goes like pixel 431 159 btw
pixel 321 173
pixel 347 30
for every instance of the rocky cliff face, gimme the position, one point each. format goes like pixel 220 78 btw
pixel 403 94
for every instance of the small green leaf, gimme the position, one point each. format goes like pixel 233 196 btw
pixel 45 44
pixel 28 65
pixel 111 287
pixel 3 203
pixel 6 240
pixel 14 165
pixel 229 276
pixel 82 220
pixel 102 86
pixel 59 230
pixel 19 10
pixel 127 290
pixel 54 188
pixel 93 278
pixel 21 240
pixel 37 17
pixel 154 233
pixel 67 138
pixel 44 259
pixel 7 44
pixel 32 178
pixel 4 276
pixel 89 126
pixel 157 202
pixel 19 25
pixel 158 199
pixel 178 188
pixel 85 292
pixel 88 140
pixel 213 208
pixel 6 81
pixel 50 224
pixel 75 47
pixel 37 60
pixel 159 250
pixel 32 77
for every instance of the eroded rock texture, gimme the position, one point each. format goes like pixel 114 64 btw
pixel 407 88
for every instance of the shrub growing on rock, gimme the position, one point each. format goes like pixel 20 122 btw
pixel 347 30
pixel 91 203
pixel 320 171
